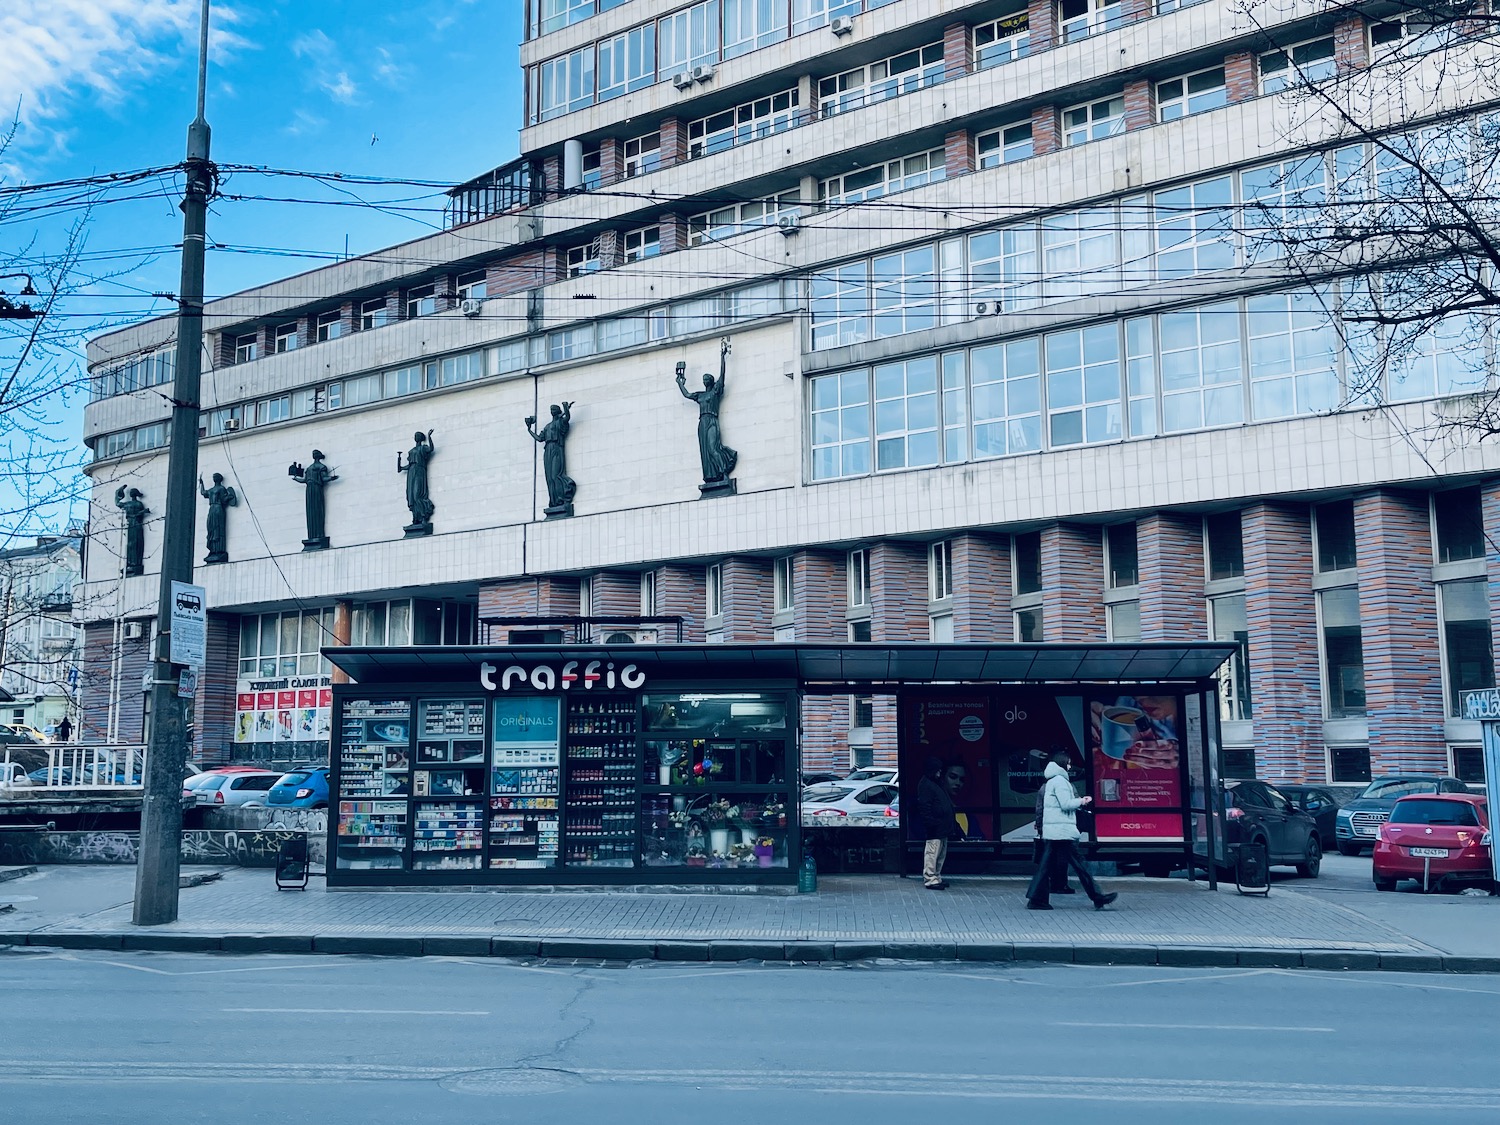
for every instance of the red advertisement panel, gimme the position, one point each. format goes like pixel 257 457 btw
pixel 1135 758
pixel 265 700
pixel 307 697
pixel 245 701
pixel 286 699
pixel 325 697
pixel 956 731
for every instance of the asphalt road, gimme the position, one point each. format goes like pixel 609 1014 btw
pixel 129 1038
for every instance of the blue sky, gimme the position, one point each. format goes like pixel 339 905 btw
pixel 412 90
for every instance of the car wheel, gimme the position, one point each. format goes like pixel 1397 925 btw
pixel 1385 884
pixel 1346 848
pixel 1312 860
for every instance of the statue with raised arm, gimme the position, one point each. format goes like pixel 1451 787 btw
pixel 717 458
pixel 135 529
pixel 316 477
pixel 553 437
pixel 417 496
pixel 220 499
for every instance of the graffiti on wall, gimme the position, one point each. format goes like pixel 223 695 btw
pixel 248 848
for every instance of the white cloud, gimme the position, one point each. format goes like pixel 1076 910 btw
pixel 316 48
pixel 52 51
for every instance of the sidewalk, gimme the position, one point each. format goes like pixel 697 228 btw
pixel 1155 921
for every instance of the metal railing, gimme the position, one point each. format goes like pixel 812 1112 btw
pixel 67 767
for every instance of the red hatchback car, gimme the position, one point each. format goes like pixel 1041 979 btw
pixel 1435 838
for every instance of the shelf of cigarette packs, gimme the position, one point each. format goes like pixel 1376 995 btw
pixel 443 831
pixel 373 747
pixel 600 815
pixel 371 834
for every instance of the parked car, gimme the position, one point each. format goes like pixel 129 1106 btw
pixel 29 733
pixel 13 774
pixel 1358 823
pixel 885 775
pixel 850 800
pixel 1318 803
pixel 301 789
pixel 56 775
pixel 1443 838
pixel 1259 813
pixel 232 786
pixel 17 736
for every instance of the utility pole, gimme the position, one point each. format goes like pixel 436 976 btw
pixel 160 855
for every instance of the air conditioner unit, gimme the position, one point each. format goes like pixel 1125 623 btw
pixel 231 425
pixel 789 224
pixel 629 636
pixel 841 25
pixel 134 630
pixel 704 72
pixel 471 306
pixel 683 80
pixel 987 308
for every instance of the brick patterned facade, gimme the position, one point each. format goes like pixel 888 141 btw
pixel 821 597
pixel 898 592
pixel 674 141
pixel 1046 129
pixel 1072 583
pixel 611 161
pixel 524 271
pixel 673 233
pixel 958 50
pixel 1041 20
pixel 1351 44
pixel 958 153
pixel 214 707
pixel 1140 104
pixel 1282 620
pixel 1169 554
pixel 94 671
pixel 1399 633
pixel 1240 77
pixel 747 598
pixel 981 588
pixel 680 592
pixel 1133 10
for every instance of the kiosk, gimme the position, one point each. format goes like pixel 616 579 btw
pixel 674 764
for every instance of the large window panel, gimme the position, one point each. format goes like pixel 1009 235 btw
pixel 749 24
pixel 841 425
pixel 1201 380
pixel 906 414
pixel 627 62
pixel 1140 375
pixel 1195 228
pixel 1468 651
pixel 1446 359
pixel 1079 252
pixel 955 407
pixel 905 291
pixel 877 81
pixel 840 306
pixel 1006 398
pixel 1003 267
pixel 1343 652
pixel 565 84
pixel 689 38
pixel 1294 352
pixel 810 14
pixel 1284 205
pixel 1228 622
pixel 1083 385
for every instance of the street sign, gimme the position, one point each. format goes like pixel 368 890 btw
pixel 187 683
pixel 189 625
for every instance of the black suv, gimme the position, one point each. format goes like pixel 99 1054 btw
pixel 1255 813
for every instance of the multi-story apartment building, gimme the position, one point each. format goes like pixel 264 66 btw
pixel 1013 357
pixel 39 642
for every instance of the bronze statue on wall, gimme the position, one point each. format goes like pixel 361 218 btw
pixel 316 477
pixel 135 529
pixel 553 437
pixel 718 459
pixel 220 499
pixel 417 496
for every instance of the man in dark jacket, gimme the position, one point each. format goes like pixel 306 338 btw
pixel 935 806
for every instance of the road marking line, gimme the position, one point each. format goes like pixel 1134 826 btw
pixel 1193 1026
pixel 361 1011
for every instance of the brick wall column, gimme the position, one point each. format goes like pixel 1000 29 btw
pixel 99 694
pixel 214 707
pixel 747 598
pixel 1169 554
pixel 1399 633
pixel 674 141
pixel 1046 129
pixel 1239 76
pixel 552 177
pixel 1041 19
pixel 680 590
pixel 1351 44
pixel 958 50
pixel 349 317
pixel 1137 10
pixel 1282 620
pixel 1072 583
pixel 821 596
pixel 1140 104
pixel 343 632
pixel 898 591
pixel 825 732
pixel 958 153
pixel 674 233
pixel 981 589
pixel 442 292
pixel 617 593
pixel 611 161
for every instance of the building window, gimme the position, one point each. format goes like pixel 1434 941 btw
pixel 782 580
pixel 713 591
pixel 904 291
pixel 276 409
pixel 1080 255
pixel 1228 623
pixel 885 178
pixel 637 245
pixel 1312 61
pixel 1120 543
pixel 1002 41
pixel 859 632
pixel 1294 355
pixel 1190 94
pixel 840 425
pixel 1284 204
pixel 1458 520
pixel 1082 18
pixel 906 414
pixel 1027 550
pixel 1349 763
pixel 1201 378
pixel 888 78
pixel 689 38
pixel 1029 626
pixel 564 84
pixel 1334 526
pixel 1003 268
pixel 939 572
pixel 648 593
pixel 374 313
pixel 1093 121
pixel 583 259
pixel 642 155
pixel 742 124
pixel 246 348
pixel 330 325
pixel 471 286
pixel 1468 653
pixel 586 596
pixel 1194 228
pixel 627 62
pixel 1083 386
pixel 858 570
pixel 810 14
pixel 286 338
pixel 1343 652
pixel 1225 546
pixel 421 301
pixel 738 218
pixel 285 644
pixel 1125 622
pixel 751 24
pixel 1162 8
pixel 940 628
pixel 1002 146
pixel 840 306
pixel 555 14
pixel 1468 764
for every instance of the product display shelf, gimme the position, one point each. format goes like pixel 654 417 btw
pixel 600 818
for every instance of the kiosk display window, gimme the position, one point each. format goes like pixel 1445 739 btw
pixel 601 777
pixel 525 783
pixel 374 762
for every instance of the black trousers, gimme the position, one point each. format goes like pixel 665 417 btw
pixel 1057 857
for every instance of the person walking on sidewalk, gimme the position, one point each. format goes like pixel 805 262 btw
pixel 935 807
pixel 1060 834
pixel 1039 857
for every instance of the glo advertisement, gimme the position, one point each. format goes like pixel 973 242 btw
pixel 956 731
pixel 1136 753
pixel 1030 726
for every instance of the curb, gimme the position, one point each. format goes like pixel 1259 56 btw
pixel 803 952
pixel 9 873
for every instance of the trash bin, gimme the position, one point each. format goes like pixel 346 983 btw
pixel 1252 869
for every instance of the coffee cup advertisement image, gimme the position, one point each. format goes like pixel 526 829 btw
pixel 1135 752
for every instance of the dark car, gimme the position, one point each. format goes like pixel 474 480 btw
pixel 1256 813
pixel 1358 824
pixel 1318 803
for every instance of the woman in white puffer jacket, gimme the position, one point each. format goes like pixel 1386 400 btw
pixel 1060 836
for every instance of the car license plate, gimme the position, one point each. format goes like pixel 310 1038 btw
pixel 1429 853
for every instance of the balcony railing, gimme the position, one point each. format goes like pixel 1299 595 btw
pixel 69 768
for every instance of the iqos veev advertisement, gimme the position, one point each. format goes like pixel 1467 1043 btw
pixel 1136 767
